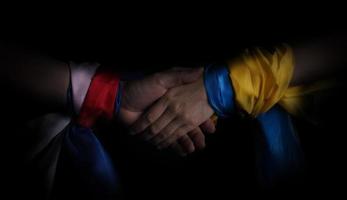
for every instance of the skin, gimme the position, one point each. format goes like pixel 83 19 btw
pixel 139 95
pixel 186 106
pixel 44 81
pixel 181 108
pixel 179 111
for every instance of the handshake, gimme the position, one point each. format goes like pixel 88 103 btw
pixel 168 109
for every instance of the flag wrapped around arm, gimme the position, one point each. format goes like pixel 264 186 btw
pixel 259 81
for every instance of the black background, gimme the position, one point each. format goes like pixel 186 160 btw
pixel 146 41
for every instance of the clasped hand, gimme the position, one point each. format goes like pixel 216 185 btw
pixel 168 109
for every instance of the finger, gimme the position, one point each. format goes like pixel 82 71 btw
pixel 198 138
pixel 149 117
pixel 186 144
pixel 176 147
pixel 173 137
pixel 167 131
pixel 160 123
pixel 208 126
pixel 175 78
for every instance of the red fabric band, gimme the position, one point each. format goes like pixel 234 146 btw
pixel 100 99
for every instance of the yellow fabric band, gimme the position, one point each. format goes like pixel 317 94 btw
pixel 261 79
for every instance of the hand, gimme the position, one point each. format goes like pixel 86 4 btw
pixel 140 94
pixel 175 114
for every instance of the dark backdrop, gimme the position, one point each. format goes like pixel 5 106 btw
pixel 147 44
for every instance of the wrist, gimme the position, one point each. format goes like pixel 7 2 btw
pixel 219 90
pixel 100 100
pixel 125 115
pixel 119 99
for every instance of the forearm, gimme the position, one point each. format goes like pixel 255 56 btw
pixel 319 59
pixel 34 77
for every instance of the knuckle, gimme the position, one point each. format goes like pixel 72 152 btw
pixel 153 130
pixel 175 108
pixel 187 118
pixel 179 134
pixel 150 117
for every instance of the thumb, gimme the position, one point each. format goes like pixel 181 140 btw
pixel 179 76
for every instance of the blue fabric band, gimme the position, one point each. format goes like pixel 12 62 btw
pixel 219 90
pixel 278 154
pixel 118 100
pixel 278 150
